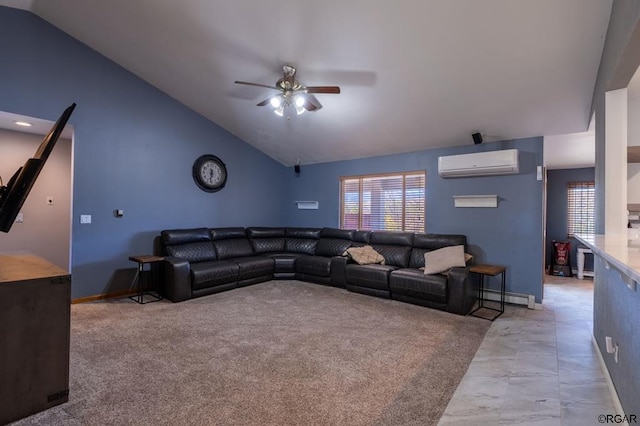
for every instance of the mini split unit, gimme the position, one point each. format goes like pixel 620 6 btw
pixel 503 162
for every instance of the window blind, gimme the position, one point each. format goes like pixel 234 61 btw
pixel 393 202
pixel 581 206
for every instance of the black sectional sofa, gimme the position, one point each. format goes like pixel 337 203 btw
pixel 203 261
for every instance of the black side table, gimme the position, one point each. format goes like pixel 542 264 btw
pixel 490 270
pixel 141 292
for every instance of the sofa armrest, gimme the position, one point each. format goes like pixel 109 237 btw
pixel 176 274
pixel 338 271
pixel 463 291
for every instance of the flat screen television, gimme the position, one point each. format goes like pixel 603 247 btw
pixel 14 193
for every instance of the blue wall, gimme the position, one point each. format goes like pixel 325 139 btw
pixel 134 148
pixel 510 235
pixel 616 314
pixel 557 181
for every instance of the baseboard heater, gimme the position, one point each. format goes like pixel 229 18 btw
pixel 528 300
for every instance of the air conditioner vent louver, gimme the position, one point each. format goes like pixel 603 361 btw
pixel 504 162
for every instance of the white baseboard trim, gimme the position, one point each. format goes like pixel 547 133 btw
pixel 612 389
pixel 527 300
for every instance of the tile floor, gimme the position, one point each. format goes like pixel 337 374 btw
pixel 536 367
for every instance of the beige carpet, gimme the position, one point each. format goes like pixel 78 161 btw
pixel 277 353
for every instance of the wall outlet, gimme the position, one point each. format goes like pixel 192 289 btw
pixel 85 218
pixel 612 348
pixel 20 218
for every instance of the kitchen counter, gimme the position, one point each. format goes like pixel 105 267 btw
pixel 617 251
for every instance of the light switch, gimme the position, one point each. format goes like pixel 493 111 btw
pixel 85 218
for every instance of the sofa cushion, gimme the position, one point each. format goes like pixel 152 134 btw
pixel 265 232
pixel 209 274
pixel 308 233
pixel 394 255
pixel 329 247
pixel 193 252
pixel 267 245
pixel 364 255
pixel 266 240
pixel 361 238
pixel 254 266
pixel 413 283
pixel 234 247
pixel 392 238
pixel 369 276
pixel 302 240
pixel 301 245
pixel 226 233
pixel 285 262
pixel 333 242
pixel 337 233
pixel 314 265
pixel 443 259
pixel 193 244
pixel 183 236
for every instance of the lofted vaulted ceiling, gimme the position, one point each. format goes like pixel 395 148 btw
pixel 414 74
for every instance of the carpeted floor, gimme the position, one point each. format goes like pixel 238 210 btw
pixel 277 353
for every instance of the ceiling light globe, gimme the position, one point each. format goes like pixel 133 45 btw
pixel 299 101
pixel 275 101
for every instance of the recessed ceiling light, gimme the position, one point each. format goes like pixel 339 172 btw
pixel 23 123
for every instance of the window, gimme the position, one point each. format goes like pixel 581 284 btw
pixel 394 202
pixel 581 207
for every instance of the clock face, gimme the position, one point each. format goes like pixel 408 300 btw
pixel 209 173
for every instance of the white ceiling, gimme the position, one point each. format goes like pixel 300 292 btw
pixel 38 126
pixel 414 74
pixel 570 151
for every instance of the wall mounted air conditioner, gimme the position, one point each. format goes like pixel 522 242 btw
pixel 504 162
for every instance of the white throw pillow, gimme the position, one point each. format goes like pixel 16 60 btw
pixel 441 260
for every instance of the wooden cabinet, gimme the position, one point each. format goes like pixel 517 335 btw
pixel 35 312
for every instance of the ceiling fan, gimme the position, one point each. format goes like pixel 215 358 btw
pixel 293 93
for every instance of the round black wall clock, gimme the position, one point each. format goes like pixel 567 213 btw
pixel 209 173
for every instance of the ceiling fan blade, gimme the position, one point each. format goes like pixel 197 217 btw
pixel 322 89
pixel 256 84
pixel 311 103
pixel 265 102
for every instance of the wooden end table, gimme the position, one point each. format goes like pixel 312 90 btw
pixel 489 270
pixel 141 292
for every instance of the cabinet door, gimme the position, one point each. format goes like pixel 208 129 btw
pixel 34 345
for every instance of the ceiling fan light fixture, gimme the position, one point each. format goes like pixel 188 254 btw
pixel 292 93
pixel 299 101
pixel 276 101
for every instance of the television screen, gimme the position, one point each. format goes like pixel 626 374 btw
pixel 14 193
